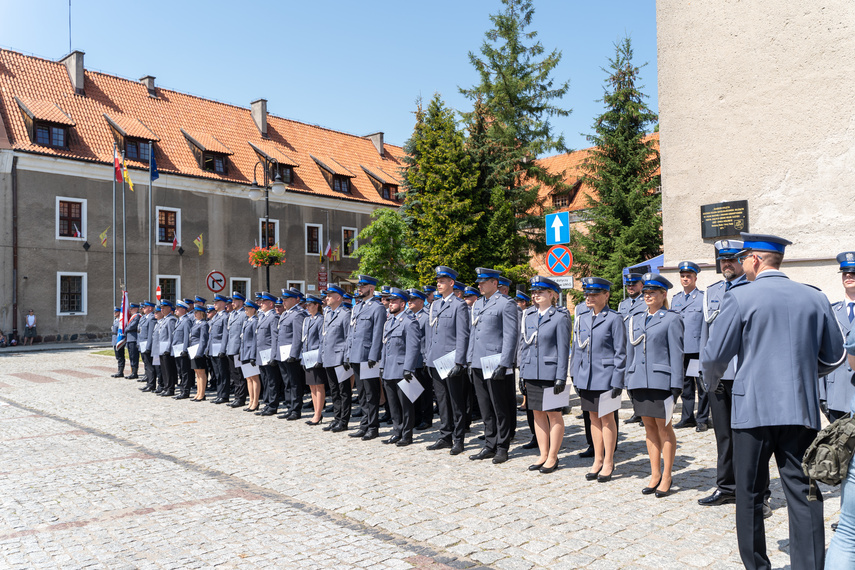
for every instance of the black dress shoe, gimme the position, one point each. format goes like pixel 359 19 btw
pixel 158 390
pixel 330 427
pixel 483 454
pixel 339 428
pixel 293 416
pixel 588 453
pixel 650 490
pixel 358 433
pixel 393 439
pixel 404 443
pixel 546 470
pixel 237 404
pixel 717 498
pixel 702 427
pixel 268 412
pixel 439 444
pixel 181 396
pixel 145 389
pixel 168 393
pixel 687 423
pixel 220 401
pixel 592 476
pixel 633 420
pixel 767 509
pixel 357 413
pixel 117 375
pixel 423 426
pixel 535 467
pixel 370 434
pixel 532 444
pixel 133 376
pixel 501 455
pixel 457 448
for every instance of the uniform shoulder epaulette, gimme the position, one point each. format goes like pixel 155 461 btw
pixel 562 310
pixel 837 305
pixel 740 284
pixel 813 287
pixel 719 282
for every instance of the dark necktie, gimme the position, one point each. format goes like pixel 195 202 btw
pixel 727 286
pixel 851 312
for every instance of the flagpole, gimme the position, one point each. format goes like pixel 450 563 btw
pixel 328 239
pixel 124 231
pixel 150 156
pixel 114 223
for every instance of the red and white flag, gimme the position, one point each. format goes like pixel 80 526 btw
pixel 122 338
pixel 328 251
pixel 117 164
pixel 77 233
pixel 174 242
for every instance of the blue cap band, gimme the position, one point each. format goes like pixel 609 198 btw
pixel 765 246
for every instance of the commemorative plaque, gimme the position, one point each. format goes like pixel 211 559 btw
pixel 724 219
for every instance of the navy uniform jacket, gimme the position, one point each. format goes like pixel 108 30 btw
pixel 265 335
pixel 654 351
pixel 691 310
pixel 164 334
pixel 334 331
pixel 247 339
pixel 837 388
pixel 364 342
pixel 147 323
pixel 401 346
pixel 218 334
pixel 181 334
pixel 290 331
pixel 422 318
pixel 310 339
pixel 630 306
pixel 494 330
pixel 199 335
pixel 544 344
pixel 713 299
pixel 234 325
pixel 115 332
pixel 599 350
pixel 447 330
pixel 785 335
pixel 133 328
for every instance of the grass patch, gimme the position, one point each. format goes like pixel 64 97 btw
pixel 109 352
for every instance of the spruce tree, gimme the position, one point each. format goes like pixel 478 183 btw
pixel 624 224
pixel 384 251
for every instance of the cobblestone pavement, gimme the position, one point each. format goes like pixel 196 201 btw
pixel 97 474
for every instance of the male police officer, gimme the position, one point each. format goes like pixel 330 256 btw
pixel 144 338
pixel 837 389
pixel 424 403
pixel 333 344
pixel 234 326
pixel 132 333
pixel 289 340
pixel 164 347
pixel 265 346
pixel 493 335
pixel 217 345
pixel 689 304
pixel 120 354
pixel 785 335
pixel 180 344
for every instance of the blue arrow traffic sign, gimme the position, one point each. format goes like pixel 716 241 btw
pixel 557 228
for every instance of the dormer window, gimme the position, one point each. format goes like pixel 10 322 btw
pixel 55 136
pixel 210 153
pixel 46 123
pixel 390 192
pixel 286 173
pixel 214 162
pixel 336 174
pixel 136 149
pixel 341 184
pixel 560 200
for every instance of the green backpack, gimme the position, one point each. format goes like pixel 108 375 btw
pixel 827 459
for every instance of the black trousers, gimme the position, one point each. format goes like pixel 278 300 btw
pixel 752 450
pixel 400 408
pixel 134 356
pixel 340 394
pixel 689 383
pixel 423 406
pixel 150 372
pixel 120 359
pixel 220 366
pixel 451 404
pixel 237 380
pixel 169 372
pixel 182 364
pixel 368 392
pixel 294 383
pixel 158 376
pixel 496 403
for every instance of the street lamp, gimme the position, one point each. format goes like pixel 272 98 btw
pixel 255 194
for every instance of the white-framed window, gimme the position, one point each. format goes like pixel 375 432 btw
pixel 241 285
pixel 71 293
pixel 170 287
pixel 301 285
pixel 70 218
pixel 348 235
pixel 314 237
pixel 272 235
pixel 168 225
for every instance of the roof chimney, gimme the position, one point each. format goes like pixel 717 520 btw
pixel 148 81
pixel 377 139
pixel 74 64
pixel 259 115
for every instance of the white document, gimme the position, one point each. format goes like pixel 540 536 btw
pixel 265 356
pixel 489 364
pixel 193 351
pixel 343 374
pixel 693 368
pixel 607 404
pixel 669 409
pixel 310 358
pixel 368 372
pixel 412 389
pixel 249 370
pixel 237 361
pixel 143 346
pixel 553 401
pixel 444 364
pixel 216 348
pixel 284 352
pixel 155 360
pixel 164 347
pixel 177 349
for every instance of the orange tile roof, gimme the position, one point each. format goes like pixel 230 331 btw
pixel 271 153
pixel 130 127
pixel 333 166
pixel 43 111
pixel 381 176
pixel 37 79
pixel 206 142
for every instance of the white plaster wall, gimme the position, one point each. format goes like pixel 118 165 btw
pixel 757 102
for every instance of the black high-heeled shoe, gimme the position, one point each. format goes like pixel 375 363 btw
pixel 198 399
pixel 605 478
pixel 659 494
pixel 546 469
pixel 536 466
pixel 651 490
pixel 311 423
pixel 592 476
pixel 255 409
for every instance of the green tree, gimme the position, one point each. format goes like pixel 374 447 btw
pixel 439 180
pixel 509 127
pixel 384 251
pixel 624 225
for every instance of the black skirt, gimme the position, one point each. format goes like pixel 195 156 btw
pixel 534 390
pixel 315 376
pixel 591 399
pixel 199 363
pixel 649 402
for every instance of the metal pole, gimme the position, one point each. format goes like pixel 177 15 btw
pixel 124 234
pixel 329 275
pixel 267 219
pixel 151 154
pixel 114 224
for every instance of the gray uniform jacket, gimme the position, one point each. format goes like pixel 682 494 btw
pixel 218 334
pixel 422 318
pixel 401 346
pixel 198 335
pixel 164 334
pixel 364 342
pixel 310 339
pixel 133 328
pixel 290 331
pixel 265 335
pixel 247 338
pixel 115 331
pixel 494 330
pixel 786 336
pixel 630 306
pixel 713 299
pixel 544 344
pixel 447 329
pixel 181 334
pixel 578 312
pixel 334 331
pixel 235 327
pixel 145 330
pixel 654 351
pixel 837 388
pixel 599 350
pixel 691 310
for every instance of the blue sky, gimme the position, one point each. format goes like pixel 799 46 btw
pixel 353 66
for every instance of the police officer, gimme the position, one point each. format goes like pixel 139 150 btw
pixel 447 332
pixel 493 336
pixel 424 404
pixel 522 300
pixel 689 304
pixel 289 340
pixel 248 353
pixel 837 388
pixel 311 342
pixel 180 344
pixel 217 345
pixel 363 348
pixel 234 327
pixel 120 354
pixel 144 338
pixel 401 351
pixel 470 295
pixel 164 347
pixel 132 335
pixel 154 345
pixel 265 343
pixel 786 336
pixel 198 340
pixel 631 305
pixel 334 331
pixel 430 291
